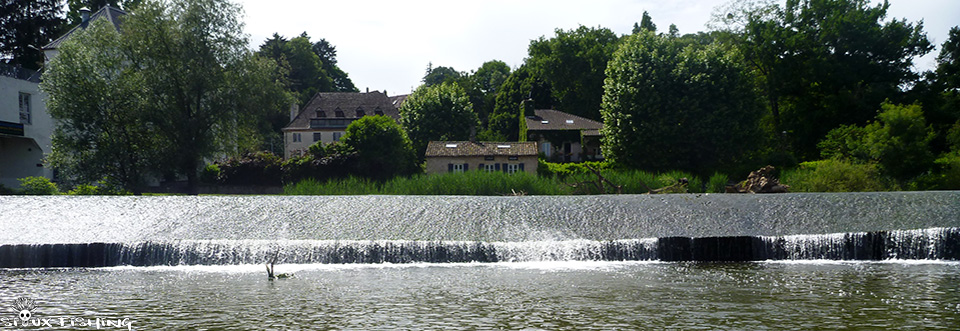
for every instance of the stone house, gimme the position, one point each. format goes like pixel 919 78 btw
pixel 326 117
pixel 564 137
pixel 460 156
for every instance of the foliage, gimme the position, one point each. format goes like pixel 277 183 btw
pixel 97 99
pixel 37 186
pixel 210 174
pixel 564 170
pixel 441 112
pixel 99 189
pixel 834 175
pixel 7 191
pixel 717 183
pixel 27 25
pixel 259 168
pixel 900 141
pixel 336 162
pixel 844 142
pixel 383 149
pixel 521 85
pixel 205 91
pixel 308 67
pixel 823 64
pixel 667 106
pixel 573 63
pixel 440 75
pixel 646 24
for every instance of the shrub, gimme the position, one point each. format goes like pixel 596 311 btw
pixel 717 183
pixel 210 174
pixel 259 168
pixel 37 186
pixel 6 190
pixel 834 176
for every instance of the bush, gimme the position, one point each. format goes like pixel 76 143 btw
pixel 834 176
pixel 100 189
pixel 6 190
pixel 259 168
pixel 717 183
pixel 37 186
pixel 210 174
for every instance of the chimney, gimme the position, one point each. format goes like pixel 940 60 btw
pixel 473 133
pixel 294 111
pixel 84 15
pixel 368 90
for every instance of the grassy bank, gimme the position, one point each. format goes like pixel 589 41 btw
pixel 496 183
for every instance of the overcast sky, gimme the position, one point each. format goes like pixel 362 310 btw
pixel 387 45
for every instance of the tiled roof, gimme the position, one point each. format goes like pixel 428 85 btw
pixel 483 148
pixel 549 119
pixel 20 73
pixel 398 100
pixel 109 13
pixel 346 105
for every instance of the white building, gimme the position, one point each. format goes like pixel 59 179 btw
pixel 25 126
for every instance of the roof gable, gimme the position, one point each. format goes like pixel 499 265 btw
pixel 483 148
pixel 111 14
pixel 549 120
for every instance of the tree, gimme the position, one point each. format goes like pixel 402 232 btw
pixel 27 26
pixel 573 63
pixel 440 112
pixel 102 134
pixel 667 106
pixel 439 75
pixel 491 75
pixel 646 24
pixel 308 67
pixel 522 84
pixel 383 149
pixel 181 83
pixel 823 64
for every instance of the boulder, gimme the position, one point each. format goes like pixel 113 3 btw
pixel 760 181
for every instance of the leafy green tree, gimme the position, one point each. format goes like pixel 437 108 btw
pixel 383 149
pixel 95 96
pixel 491 75
pixel 440 112
pixel 668 107
pixel 440 75
pixel 27 26
pixel 823 64
pixel 522 84
pixel 177 86
pixel 307 67
pixel 900 140
pixel 646 24
pixel 573 63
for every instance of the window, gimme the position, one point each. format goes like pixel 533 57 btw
pixel 338 113
pixel 488 158
pixel 321 114
pixel 317 136
pixel 361 113
pixel 459 167
pixel 296 137
pixel 25 108
pixel 489 167
pixel 513 158
pixel 512 168
pixel 545 148
pixel 336 136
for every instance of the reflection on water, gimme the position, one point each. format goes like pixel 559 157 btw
pixel 545 295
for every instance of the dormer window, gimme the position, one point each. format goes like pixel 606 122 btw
pixel 338 112
pixel 378 111
pixel 361 113
pixel 321 114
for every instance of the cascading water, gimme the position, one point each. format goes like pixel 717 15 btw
pixel 108 231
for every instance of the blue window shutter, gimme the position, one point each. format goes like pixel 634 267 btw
pixel 466 166
pixel 449 167
pixel 521 167
pixel 504 167
pixel 496 166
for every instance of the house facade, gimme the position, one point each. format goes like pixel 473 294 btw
pixel 25 126
pixel 564 137
pixel 326 117
pixel 111 14
pixel 460 156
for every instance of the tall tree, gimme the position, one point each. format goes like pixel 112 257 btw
pixel 573 63
pixel 328 54
pixel 27 26
pixel 183 73
pixel 440 75
pixel 828 63
pixel 440 112
pixel 308 67
pixel 670 106
pixel 102 134
pixel 383 149
pixel 646 24
pixel 522 84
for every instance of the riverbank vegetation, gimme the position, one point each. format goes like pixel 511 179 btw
pixel 825 91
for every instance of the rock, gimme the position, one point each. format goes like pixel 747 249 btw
pixel 760 181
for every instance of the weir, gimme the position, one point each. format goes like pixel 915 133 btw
pixel 144 231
